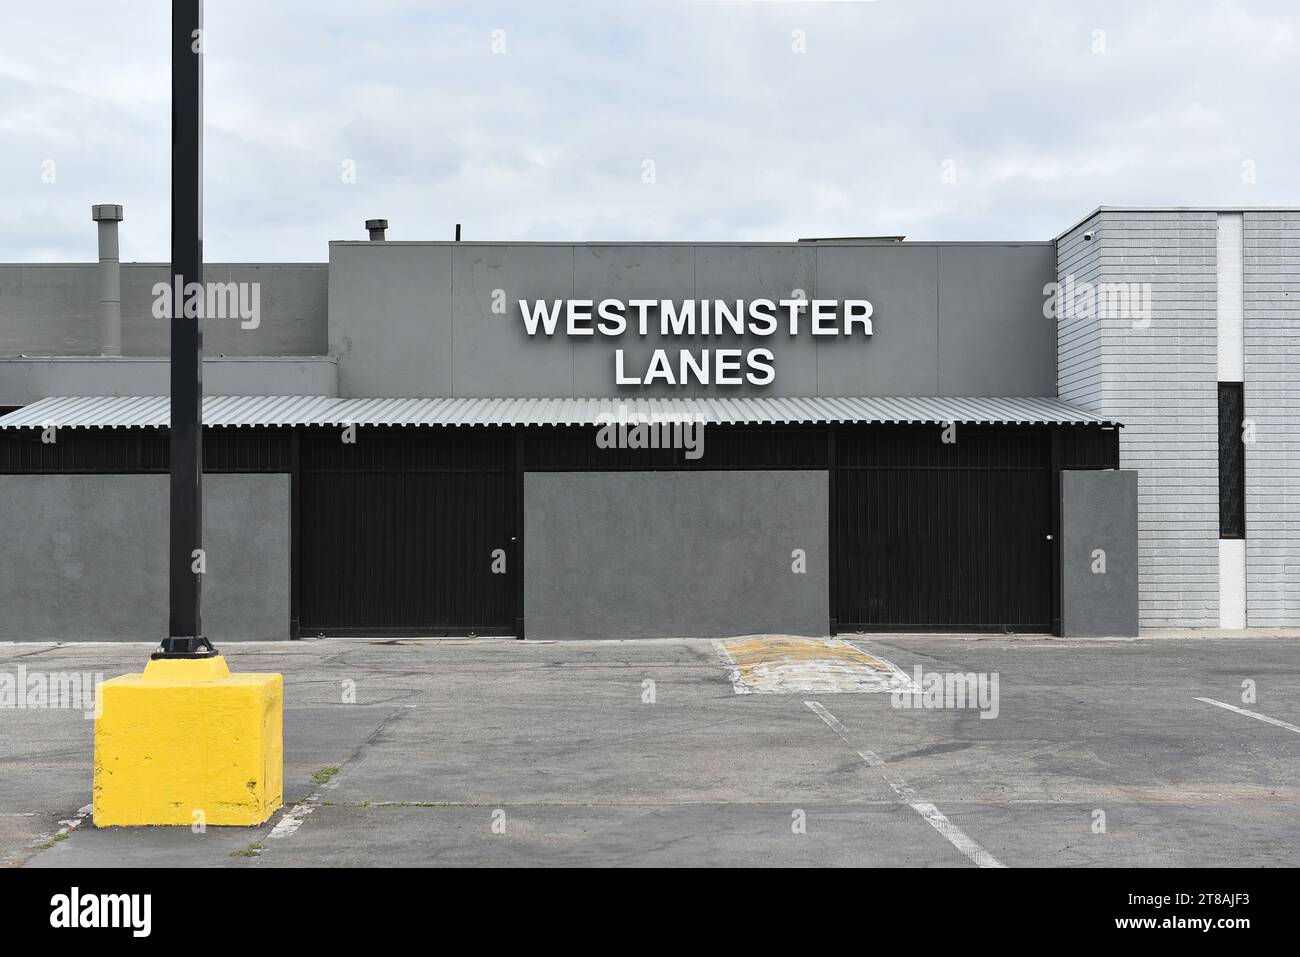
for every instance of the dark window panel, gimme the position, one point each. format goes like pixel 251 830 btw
pixel 1232 461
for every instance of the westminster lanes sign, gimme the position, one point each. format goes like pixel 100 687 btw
pixel 698 317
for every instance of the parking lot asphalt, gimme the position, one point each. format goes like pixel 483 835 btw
pixel 498 752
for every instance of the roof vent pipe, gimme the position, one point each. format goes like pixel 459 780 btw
pixel 108 215
pixel 376 228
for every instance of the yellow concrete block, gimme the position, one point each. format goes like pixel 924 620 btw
pixel 188 736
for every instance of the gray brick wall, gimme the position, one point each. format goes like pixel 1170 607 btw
pixel 1161 382
pixel 1271 266
pixel 1078 338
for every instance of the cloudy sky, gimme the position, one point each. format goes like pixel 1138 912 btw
pixel 940 119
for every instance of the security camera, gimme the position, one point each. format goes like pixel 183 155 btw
pixel 1087 237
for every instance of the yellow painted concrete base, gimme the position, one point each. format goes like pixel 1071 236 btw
pixel 188 742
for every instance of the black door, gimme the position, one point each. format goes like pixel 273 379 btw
pixel 932 535
pixel 407 531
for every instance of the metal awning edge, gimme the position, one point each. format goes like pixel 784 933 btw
pixel 288 411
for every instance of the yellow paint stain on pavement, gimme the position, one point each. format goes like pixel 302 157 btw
pixel 785 664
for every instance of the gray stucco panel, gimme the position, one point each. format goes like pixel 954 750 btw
pixel 674 554
pixel 1099 511
pixel 85 557
pixel 52 309
pixel 420 319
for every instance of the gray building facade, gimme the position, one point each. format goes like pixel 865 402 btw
pixel 956 319
pixel 1224 288
pixel 430 466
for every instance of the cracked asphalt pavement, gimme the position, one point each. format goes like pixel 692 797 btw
pixel 498 752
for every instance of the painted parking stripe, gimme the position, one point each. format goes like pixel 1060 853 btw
pixel 729 665
pixel 288 825
pixel 933 816
pixel 1250 714
pixel 791 664
pixel 67 826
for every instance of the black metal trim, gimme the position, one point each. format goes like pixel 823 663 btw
pixel 519 529
pixel 184 646
pixel 832 532
pixel 405 633
pixel 849 629
pixel 1054 480
pixel 142 451
pixel 295 535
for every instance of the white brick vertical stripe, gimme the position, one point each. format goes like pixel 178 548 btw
pixel 1232 583
pixel 1230 307
pixel 1230 327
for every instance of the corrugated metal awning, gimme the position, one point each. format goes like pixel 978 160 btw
pixel 145 412
pixel 108 412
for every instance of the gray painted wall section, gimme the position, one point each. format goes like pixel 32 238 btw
pixel 52 309
pixel 674 554
pixel 1271 266
pixel 85 557
pixel 1160 380
pixel 416 319
pixel 25 380
pixel 1078 337
pixel 1099 511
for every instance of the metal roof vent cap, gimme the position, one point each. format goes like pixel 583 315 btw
pixel 376 228
pixel 107 216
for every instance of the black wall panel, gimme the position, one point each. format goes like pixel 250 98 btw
pixel 1232 460
pixel 943 536
pixel 397 532
pixel 141 450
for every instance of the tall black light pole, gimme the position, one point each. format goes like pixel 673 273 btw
pixel 185 633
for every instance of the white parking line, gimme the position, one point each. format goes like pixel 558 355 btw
pixel 1250 714
pixel 294 817
pixel 729 663
pixel 933 816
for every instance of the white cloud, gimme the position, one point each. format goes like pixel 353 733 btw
pixel 750 140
